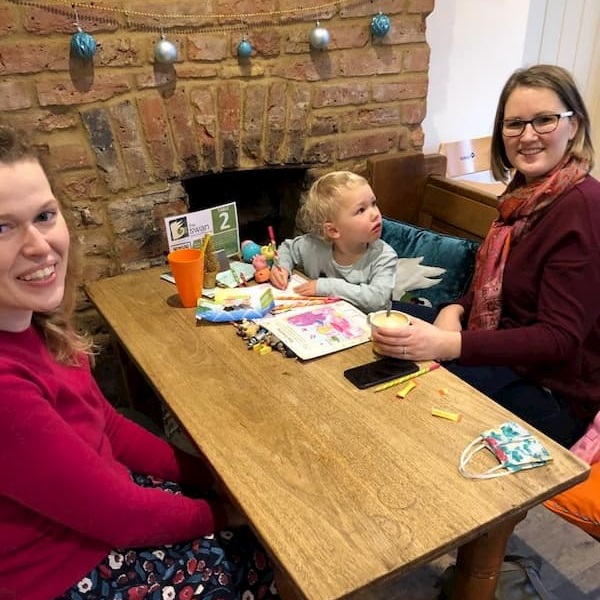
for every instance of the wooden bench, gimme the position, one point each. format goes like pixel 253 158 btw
pixel 412 187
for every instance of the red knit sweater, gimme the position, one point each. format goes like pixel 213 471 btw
pixel 66 497
pixel 550 322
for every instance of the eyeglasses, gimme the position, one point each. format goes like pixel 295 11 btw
pixel 542 124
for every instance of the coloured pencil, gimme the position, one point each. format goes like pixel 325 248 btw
pixel 298 304
pixel 273 245
pixel 327 298
pixel 388 384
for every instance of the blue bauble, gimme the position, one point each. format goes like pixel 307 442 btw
pixel 83 44
pixel 249 250
pixel 244 49
pixel 380 25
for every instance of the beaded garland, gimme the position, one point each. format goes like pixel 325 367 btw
pixel 83 44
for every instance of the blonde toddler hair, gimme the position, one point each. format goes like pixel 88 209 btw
pixel 324 199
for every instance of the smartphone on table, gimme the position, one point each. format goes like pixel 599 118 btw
pixel 379 371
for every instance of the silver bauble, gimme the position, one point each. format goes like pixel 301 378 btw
pixel 319 37
pixel 165 52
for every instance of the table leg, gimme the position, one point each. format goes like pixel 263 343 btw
pixel 478 562
pixel 140 395
pixel 285 588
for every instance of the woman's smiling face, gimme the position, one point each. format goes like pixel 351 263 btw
pixel 34 245
pixel 531 153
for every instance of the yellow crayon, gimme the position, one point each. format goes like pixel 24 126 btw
pixel 444 414
pixel 411 385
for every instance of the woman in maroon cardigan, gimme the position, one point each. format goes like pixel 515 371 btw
pixel 88 507
pixel 528 331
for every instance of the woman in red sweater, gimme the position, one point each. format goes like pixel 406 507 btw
pixel 89 507
pixel 528 332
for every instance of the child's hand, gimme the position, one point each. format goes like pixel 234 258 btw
pixel 308 288
pixel 279 277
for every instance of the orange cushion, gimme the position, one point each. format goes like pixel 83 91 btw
pixel 580 504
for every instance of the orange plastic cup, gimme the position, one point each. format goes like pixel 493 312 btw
pixel 187 266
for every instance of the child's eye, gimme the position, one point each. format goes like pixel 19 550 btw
pixel 4 228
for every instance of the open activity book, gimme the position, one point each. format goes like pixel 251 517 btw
pixel 308 327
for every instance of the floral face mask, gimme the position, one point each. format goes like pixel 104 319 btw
pixel 514 447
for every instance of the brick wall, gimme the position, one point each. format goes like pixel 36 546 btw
pixel 122 131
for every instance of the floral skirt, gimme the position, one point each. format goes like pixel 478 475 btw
pixel 228 565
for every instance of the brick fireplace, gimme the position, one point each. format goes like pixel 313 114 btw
pixel 124 132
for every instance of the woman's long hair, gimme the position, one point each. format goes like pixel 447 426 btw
pixel 62 338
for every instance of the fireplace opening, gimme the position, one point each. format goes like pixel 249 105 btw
pixel 263 197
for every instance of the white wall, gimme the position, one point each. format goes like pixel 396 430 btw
pixel 570 38
pixel 475 46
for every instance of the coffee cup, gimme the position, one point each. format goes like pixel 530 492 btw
pixel 392 319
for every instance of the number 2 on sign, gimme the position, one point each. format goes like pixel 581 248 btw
pixel 224 216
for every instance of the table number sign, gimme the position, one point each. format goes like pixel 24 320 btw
pixel 188 230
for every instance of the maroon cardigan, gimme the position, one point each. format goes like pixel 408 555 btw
pixel 550 325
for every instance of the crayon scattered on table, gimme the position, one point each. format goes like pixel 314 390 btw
pixel 443 391
pixel 411 385
pixel 445 414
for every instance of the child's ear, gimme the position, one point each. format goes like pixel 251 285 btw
pixel 330 231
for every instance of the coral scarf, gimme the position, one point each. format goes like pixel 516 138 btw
pixel 520 208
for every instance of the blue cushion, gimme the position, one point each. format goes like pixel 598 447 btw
pixel 433 268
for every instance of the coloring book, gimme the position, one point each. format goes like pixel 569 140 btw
pixel 321 329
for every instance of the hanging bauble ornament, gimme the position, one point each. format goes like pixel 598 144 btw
pixel 165 51
pixel 380 25
pixel 83 45
pixel 319 37
pixel 244 49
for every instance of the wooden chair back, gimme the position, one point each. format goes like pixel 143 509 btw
pixel 467 156
pixel 456 208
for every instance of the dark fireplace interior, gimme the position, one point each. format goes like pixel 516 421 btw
pixel 263 197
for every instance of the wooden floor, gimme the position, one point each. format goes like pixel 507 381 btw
pixel 570 560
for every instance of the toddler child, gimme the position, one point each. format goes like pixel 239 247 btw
pixel 342 253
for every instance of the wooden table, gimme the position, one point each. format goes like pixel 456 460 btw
pixel 347 489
